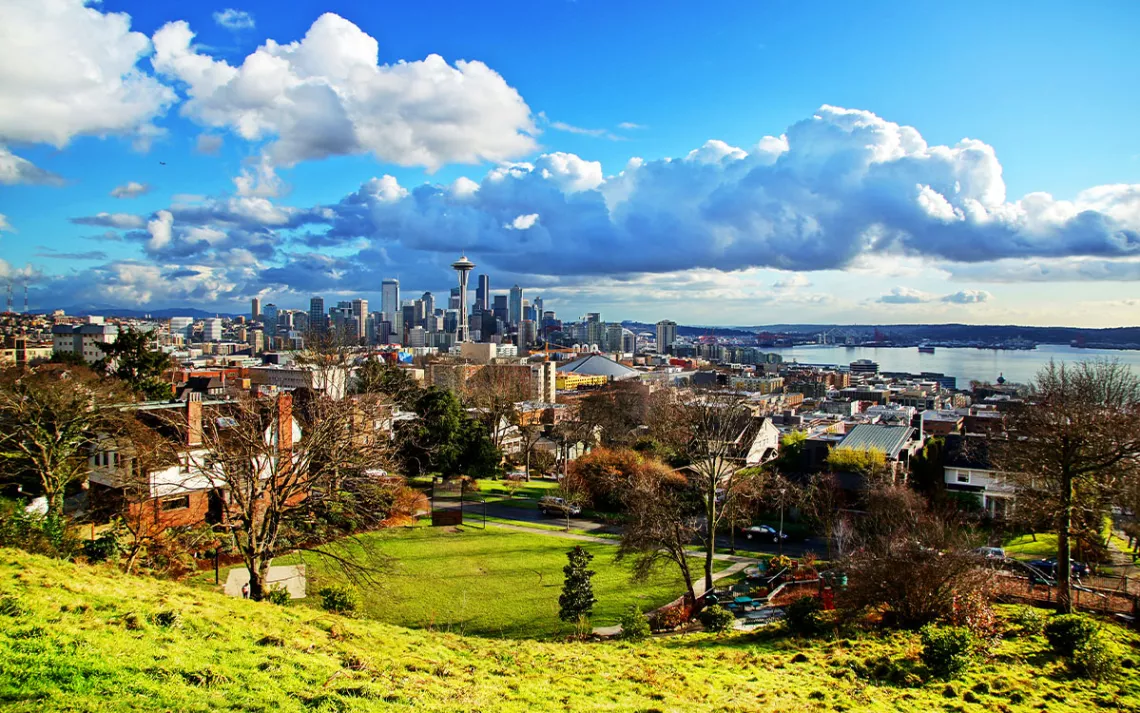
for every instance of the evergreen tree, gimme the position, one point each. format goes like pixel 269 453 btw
pixel 131 360
pixel 577 599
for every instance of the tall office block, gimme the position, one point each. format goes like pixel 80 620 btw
pixel 317 317
pixel 389 299
pixel 666 335
pixel 483 294
pixel 516 305
pixel 255 309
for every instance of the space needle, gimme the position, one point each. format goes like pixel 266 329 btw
pixel 463 266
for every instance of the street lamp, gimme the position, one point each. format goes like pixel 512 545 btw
pixel 780 534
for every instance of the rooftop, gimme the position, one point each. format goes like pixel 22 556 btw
pixel 889 439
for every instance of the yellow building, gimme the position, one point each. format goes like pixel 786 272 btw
pixel 570 380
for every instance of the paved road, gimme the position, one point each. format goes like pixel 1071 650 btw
pixel 745 546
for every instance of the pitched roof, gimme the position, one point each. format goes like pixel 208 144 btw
pixel 888 439
pixel 597 365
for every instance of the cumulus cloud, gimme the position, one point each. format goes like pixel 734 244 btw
pixel 839 189
pixel 909 295
pixel 5 226
pixel 15 169
pixel 326 95
pixel 523 222
pixel 67 69
pixel 122 221
pixel 906 296
pixel 131 189
pixel 1077 269
pixel 160 230
pixel 968 297
pixel 794 281
pixel 232 19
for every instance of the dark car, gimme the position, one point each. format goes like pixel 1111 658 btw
pixel 762 532
pixel 1049 567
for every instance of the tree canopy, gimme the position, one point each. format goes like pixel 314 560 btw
pixel 131 360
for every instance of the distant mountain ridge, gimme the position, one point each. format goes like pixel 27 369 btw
pixel 165 313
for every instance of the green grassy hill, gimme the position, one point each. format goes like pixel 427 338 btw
pixel 81 638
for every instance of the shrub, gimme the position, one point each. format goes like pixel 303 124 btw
pixel 1030 620
pixel 278 595
pixel 946 650
pixel 1095 658
pixel 668 619
pixel 107 546
pixel 803 616
pixel 1067 632
pixel 634 625
pixel 717 618
pixel 339 600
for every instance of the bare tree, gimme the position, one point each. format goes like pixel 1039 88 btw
pixel 49 418
pixel 663 517
pixel 1071 447
pixel 822 501
pixel 494 390
pixel 573 494
pixel 713 427
pixel 271 457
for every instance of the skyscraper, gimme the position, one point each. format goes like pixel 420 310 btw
pixel 537 308
pixel 389 299
pixel 360 312
pixel 464 267
pixel 317 314
pixel 483 294
pixel 269 319
pixel 429 307
pixel 255 309
pixel 666 335
pixel 516 305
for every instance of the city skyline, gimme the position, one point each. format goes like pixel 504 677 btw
pixel 838 169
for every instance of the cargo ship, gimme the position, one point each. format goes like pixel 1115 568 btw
pixel 926 350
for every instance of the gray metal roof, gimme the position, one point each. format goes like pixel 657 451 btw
pixel 888 439
pixel 596 365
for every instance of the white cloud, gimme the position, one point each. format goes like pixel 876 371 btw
pixel 326 96
pixel 122 221
pixel 160 230
pixel 523 222
pixel 5 226
pixel 15 169
pixel 793 281
pixel 968 297
pixel 67 69
pixel 906 296
pixel 131 189
pixel 232 19
pixel 629 125
pixel 208 144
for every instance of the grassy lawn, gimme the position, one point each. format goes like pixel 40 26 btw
pixel 552 528
pixel 533 490
pixel 1023 547
pixel 492 582
pixel 87 638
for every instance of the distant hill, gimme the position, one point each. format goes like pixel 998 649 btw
pixel 165 313
pixel 1046 335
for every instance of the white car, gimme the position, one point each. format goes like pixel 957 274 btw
pixel 558 506
pixel 762 532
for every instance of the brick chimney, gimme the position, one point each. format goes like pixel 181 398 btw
pixel 194 419
pixel 284 434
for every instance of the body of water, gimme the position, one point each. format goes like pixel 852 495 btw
pixel 966 364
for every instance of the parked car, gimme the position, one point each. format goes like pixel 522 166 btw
pixel 762 532
pixel 991 553
pixel 1049 567
pixel 557 506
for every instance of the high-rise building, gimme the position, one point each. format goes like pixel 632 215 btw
pixel 595 332
pixel 537 308
pixel 499 308
pixel 613 337
pixel 182 327
pixel 429 307
pixel 255 309
pixel 269 319
pixel 463 266
pixel 516 305
pixel 453 299
pixel 317 314
pixel 666 335
pixel 483 294
pixel 212 330
pixel 360 313
pixel 389 299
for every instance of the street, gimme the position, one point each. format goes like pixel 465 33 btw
pixel 508 512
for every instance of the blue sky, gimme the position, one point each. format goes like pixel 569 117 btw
pixel 862 204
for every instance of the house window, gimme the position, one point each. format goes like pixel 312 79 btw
pixel 963 476
pixel 179 503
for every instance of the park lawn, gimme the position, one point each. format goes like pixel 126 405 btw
pixel 1023 547
pixel 552 528
pixel 88 638
pixel 533 490
pixel 493 582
